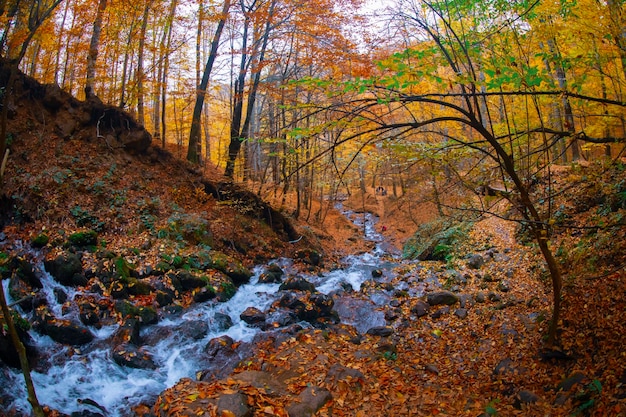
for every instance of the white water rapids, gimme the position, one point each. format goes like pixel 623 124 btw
pixel 77 377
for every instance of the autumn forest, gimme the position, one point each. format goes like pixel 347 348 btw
pixel 188 142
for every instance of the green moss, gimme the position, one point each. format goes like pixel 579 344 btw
pixel 40 240
pixel 83 239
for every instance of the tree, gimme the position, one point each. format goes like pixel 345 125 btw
pixel 435 89
pixel 193 153
pixel 92 55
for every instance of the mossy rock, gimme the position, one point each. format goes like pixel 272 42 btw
pixel 230 266
pixel 83 239
pixel 145 315
pixel 435 241
pixel 40 240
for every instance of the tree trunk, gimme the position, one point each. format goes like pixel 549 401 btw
pixel 140 74
pixel 19 347
pixel 194 135
pixel 92 55
pixel 239 136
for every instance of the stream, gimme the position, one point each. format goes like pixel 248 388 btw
pixel 87 378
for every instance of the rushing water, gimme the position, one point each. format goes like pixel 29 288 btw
pixel 77 377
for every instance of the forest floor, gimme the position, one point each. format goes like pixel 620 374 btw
pixel 483 356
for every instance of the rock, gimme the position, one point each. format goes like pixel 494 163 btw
pixel 493 297
pixel 571 381
pixel 272 274
pixel 281 318
pixel 222 321
pixel 297 284
pixel 338 372
pixel 420 309
pixel 66 269
pixel 253 316
pixel 145 315
pixel 128 332
pixel 377 273
pixel 9 355
pixel 133 357
pixel 309 256
pixel 382 331
pixel 311 400
pixel 204 294
pixel 187 280
pixel 525 397
pixel 89 312
pixel 480 297
pixel 219 346
pixel 461 313
pixel 61 331
pixel 503 286
pixel 433 369
pixel 163 298
pixel 442 297
pixel 262 381
pixel 504 366
pixel 233 405
pixel 440 312
pixel 475 261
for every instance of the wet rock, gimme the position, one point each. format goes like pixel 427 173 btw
pixel 272 274
pixel 382 331
pixel 60 295
pixel 128 332
pixel 204 294
pixel 89 312
pixel 220 346
pixel 311 400
pixel 132 356
pixel 61 331
pixel 281 318
pixel 475 261
pixel 233 405
pixel 24 271
pixel 145 315
pixel 377 273
pixel 253 316
pixel 66 269
pixel 297 284
pixel 193 329
pixel 420 309
pixel 222 321
pixel 309 256
pixel 9 355
pixel 442 297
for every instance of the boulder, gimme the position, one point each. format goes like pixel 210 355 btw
pixel 297 284
pixel 132 356
pixel 66 269
pixel 420 309
pixel 233 405
pixel 310 401
pixel 253 316
pixel 442 297
pixel 61 331
pixel 272 274
pixel 475 261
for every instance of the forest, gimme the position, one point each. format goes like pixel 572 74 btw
pixel 299 208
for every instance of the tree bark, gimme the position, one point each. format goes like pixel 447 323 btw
pixel 193 154
pixel 92 55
